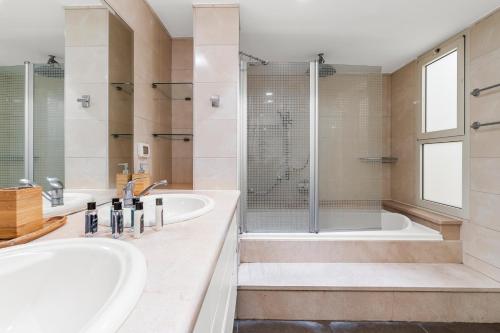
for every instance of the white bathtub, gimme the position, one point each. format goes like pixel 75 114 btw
pixel 388 226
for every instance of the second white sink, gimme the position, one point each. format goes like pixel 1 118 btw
pixel 177 207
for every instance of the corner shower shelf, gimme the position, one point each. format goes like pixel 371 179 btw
pixel 174 136
pixel 127 87
pixel 182 91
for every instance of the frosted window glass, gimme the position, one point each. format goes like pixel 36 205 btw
pixel 442 173
pixel 441 94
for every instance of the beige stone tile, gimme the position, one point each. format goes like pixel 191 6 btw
pixel 314 305
pixel 87 172
pixel 215 173
pixel 350 251
pixel 98 109
pixel 215 138
pixel 182 53
pixel 182 170
pixel 481 266
pixel 216 26
pixel 88 138
pixel 182 114
pixel 481 243
pixel 484 35
pixel 86 27
pixel 485 209
pixel 182 149
pixel 86 64
pixel 216 63
pixel 228 101
pixel 182 75
pixel 484 71
pixel 484 175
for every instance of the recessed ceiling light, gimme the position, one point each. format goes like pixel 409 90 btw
pixel 269 93
pixel 269 101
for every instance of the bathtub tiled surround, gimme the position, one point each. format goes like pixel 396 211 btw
pixel 216 72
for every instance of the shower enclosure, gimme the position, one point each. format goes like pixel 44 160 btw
pixel 311 148
pixel 31 122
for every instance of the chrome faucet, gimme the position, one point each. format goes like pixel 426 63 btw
pixel 128 191
pixel 55 195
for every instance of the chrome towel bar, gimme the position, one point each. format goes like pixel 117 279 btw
pixel 476 92
pixel 476 125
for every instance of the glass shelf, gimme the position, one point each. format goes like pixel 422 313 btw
pixel 127 87
pixel 174 136
pixel 175 90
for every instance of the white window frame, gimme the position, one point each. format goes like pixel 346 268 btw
pixel 459 134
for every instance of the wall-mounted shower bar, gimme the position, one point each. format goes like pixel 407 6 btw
pixel 476 92
pixel 262 61
pixel 28 120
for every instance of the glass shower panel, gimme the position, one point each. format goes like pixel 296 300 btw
pixel 350 147
pixel 11 125
pixel 278 147
pixel 48 122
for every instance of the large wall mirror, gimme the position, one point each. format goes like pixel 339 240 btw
pixel 66 94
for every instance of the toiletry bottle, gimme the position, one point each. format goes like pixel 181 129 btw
pixel 90 219
pixel 159 214
pixel 128 215
pixel 138 220
pixel 117 220
pixel 113 201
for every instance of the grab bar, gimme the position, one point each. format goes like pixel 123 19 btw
pixel 476 92
pixel 476 125
pixel 384 159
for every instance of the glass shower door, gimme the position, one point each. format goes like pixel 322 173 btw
pixel 12 125
pixel 277 149
pixel 350 147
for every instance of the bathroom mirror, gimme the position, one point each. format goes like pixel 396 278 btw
pixel 66 94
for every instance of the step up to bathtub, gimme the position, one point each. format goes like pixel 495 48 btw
pixel 366 291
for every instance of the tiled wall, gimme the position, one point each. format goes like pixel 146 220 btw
pixel 86 130
pixel 481 231
pixel 216 72
pixel 182 112
pixel 481 235
pixel 152 63
pixel 121 102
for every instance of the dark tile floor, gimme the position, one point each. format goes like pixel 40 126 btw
pixel 271 326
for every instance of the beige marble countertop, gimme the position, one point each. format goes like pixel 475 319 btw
pixel 180 259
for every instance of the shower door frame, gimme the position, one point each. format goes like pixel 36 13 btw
pixel 28 121
pixel 313 144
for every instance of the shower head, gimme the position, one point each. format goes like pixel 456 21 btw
pixel 52 60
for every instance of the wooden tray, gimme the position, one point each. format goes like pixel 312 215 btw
pixel 49 225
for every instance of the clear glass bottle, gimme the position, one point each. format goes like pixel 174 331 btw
pixel 138 220
pixel 113 201
pixel 117 220
pixel 91 219
pixel 159 214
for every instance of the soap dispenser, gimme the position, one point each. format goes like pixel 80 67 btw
pixel 142 179
pixel 122 178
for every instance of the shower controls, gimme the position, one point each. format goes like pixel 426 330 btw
pixel 85 100
pixel 215 100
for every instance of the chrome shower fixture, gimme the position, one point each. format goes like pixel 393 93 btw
pixel 52 60
pixel 254 58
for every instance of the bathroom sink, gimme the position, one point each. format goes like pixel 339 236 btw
pixel 73 202
pixel 71 285
pixel 178 207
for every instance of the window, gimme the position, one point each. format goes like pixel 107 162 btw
pixel 441 135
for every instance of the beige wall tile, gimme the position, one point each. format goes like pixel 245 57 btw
pixel 484 175
pixel 215 173
pixel 182 114
pixel 482 243
pixel 484 35
pixel 182 53
pixel 98 109
pixel 182 75
pixel 485 209
pixel 216 26
pixel 88 138
pixel 86 27
pixel 86 64
pixel 482 266
pixel 182 149
pixel 87 172
pixel 182 172
pixel 210 140
pixel 216 63
pixel 228 101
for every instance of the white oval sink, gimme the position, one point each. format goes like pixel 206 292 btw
pixel 73 202
pixel 177 207
pixel 71 285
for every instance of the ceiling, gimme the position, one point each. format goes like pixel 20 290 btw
pixel 30 30
pixel 387 33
